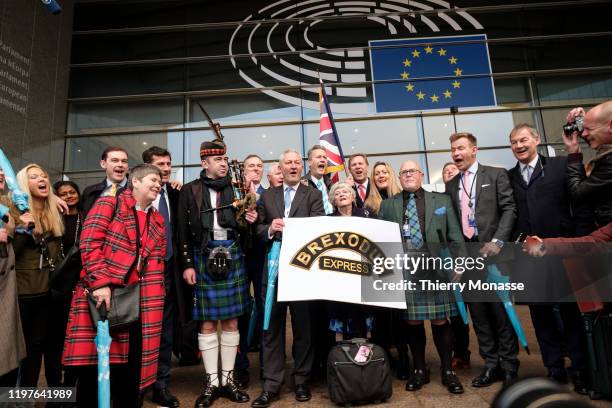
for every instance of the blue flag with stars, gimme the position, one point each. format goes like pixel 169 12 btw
pixel 431 73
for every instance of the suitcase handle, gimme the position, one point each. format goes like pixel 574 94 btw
pixel 346 350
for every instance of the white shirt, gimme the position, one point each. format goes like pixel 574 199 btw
pixel 155 202
pixel 219 233
pixel 292 195
pixel 110 183
pixel 364 184
pixel 470 188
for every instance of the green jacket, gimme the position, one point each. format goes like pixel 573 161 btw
pixel 439 216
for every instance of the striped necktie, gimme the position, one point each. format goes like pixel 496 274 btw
pixel 412 216
pixel 326 204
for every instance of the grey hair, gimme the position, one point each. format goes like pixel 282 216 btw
pixel 282 156
pixel 272 165
pixel 313 148
pixel 141 171
pixel 532 130
pixel 338 186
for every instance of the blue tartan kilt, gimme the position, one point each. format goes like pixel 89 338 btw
pixel 221 299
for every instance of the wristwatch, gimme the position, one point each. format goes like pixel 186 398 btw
pixel 498 242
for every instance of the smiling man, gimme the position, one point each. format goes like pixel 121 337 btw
pixel 114 161
pixel 358 167
pixel 316 177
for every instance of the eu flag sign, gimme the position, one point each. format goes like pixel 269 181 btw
pixel 431 73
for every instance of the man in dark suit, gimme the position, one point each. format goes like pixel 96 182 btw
pixel 254 257
pixel 292 199
pixel 482 196
pixel 424 218
pixel 166 204
pixel 543 206
pixel 358 167
pixel 114 161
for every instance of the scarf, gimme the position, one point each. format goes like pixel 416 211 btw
pixel 226 217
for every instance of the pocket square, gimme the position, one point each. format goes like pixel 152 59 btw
pixel 485 185
pixel 440 211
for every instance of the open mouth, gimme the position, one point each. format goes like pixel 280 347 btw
pixel 43 188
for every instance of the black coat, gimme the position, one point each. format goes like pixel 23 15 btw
pixel 92 193
pixel 358 201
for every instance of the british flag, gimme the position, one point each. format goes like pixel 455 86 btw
pixel 328 138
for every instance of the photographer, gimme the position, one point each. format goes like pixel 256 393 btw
pixel 591 183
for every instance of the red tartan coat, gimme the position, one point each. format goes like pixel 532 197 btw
pixel 108 250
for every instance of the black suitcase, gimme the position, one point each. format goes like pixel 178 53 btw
pixel 351 382
pixel 598 328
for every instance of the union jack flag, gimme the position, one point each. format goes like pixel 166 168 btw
pixel 328 138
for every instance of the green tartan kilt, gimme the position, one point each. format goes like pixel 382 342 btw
pixel 429 305
pixel 221 299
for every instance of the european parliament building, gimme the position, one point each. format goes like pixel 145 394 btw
pixel 400 76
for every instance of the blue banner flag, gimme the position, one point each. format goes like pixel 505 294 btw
pixel 431 73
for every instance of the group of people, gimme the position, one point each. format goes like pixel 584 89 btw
pixel 195 258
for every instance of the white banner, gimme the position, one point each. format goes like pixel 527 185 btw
pixel 331 258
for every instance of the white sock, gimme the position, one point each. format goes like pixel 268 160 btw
pixel 229 348
pixel 209 346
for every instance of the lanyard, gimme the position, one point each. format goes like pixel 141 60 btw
pixel 140 246
pixel 469 194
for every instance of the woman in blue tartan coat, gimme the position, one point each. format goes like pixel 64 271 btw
pixel 215 298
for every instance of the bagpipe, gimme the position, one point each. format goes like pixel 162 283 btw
pixel 244 199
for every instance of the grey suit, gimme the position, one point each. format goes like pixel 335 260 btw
pixel 495 214
pixel 307 202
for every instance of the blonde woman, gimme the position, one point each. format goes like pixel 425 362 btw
pixel 37 246
pixel 386 185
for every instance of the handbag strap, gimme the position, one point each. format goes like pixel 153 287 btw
pixel 346 348
pixel 138 262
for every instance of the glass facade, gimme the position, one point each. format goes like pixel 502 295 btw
pixel 141 70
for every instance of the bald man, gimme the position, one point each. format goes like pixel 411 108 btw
pixel 596 188
pixel 424 218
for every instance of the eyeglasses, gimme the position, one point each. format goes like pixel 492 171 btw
pixel 409 172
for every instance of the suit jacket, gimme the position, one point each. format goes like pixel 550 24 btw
pixel 358 201
pixel 439 216
pixel 495 206
pixel 307 202
pixel 92 193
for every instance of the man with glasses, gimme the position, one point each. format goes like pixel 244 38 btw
pixel 424 218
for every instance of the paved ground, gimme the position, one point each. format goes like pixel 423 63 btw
pixel 187 381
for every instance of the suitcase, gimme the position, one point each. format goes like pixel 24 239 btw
pixel 598 329
pixel 352 382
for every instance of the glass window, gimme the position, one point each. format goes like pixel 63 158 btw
pixel 122 116
pixel 266 141
pixel 84 153
pixel 489 157
pixel 373 136
pixel 491 129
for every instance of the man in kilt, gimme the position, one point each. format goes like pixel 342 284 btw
pixel 220 290
pixel 423 216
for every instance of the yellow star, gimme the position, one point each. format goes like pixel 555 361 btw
pixel 442 52
pixel 416 53
pixel 434 98
pixel 420 95
pixel 407 62
pixel 456 84
pixel 410 87
pixel 453 60
pixel 428 49
pixel 458 72
pixel 405 75
pixel 447 94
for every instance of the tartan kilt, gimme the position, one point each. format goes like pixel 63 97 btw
pixel 221 299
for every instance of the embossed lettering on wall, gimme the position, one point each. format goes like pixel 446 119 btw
pixel 14 78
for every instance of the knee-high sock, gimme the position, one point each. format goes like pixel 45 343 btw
pixel 229 348
pixel 416 340
pixel 209 346
pixel 443 339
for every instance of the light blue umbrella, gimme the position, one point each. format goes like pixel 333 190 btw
pixel 495 276
pixel 445 254
pixel 19 198
pixel 273 258
pixel 103 342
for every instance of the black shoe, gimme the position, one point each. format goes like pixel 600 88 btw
pixel 559 376
pixel 488 377
pixel 165 398
pixel 242 378
pixel 208 396
pixel 302 393
pixel 580 383
pixel 509 377
pixel 265 399
pixel 417 380
pixel 232 392
pixel 401 373
pixel 450 379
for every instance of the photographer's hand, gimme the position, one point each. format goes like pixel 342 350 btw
pixel 572 142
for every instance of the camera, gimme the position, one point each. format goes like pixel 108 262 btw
pixel 575 126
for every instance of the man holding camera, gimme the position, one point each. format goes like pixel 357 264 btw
pixel 591 183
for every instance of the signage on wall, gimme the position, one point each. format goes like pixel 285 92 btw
pixel 274 40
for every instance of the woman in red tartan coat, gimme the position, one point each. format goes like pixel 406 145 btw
pixel 108 251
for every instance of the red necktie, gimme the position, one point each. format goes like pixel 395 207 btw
pixel 362 192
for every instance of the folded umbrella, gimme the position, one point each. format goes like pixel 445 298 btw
pixel 273 259
pixel 445 254
pixel 19 198
pixel 103 342
pixel 495 276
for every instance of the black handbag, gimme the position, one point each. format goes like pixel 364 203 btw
pixel 351 381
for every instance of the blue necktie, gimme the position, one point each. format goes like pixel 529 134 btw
pixel 163 210
pixel 326 204
pixel 416 238
pixel 288 191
